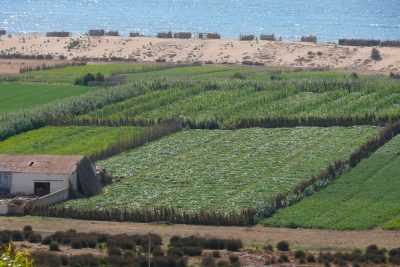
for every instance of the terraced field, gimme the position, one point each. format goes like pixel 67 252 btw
pixel 232 103
pixel 16 96
pixel 222 170
pixel 365 197
pixel 82 140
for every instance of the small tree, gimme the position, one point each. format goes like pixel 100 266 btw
pixel 375 54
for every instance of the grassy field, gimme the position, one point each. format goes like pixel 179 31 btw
pixel 15 96
pixel 222 170
pixel 229 103
pixel 70 74
pixel 89 141
pixel 365 197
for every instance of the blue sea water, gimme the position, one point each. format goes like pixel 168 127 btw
pixel 328 19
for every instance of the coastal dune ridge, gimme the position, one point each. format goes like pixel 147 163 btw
pixel 252 51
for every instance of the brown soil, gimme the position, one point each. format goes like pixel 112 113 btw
pixel 14 66
pixel 252 236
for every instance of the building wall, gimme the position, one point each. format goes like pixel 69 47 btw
pixel 23 183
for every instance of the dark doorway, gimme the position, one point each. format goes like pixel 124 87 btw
pixel 42 189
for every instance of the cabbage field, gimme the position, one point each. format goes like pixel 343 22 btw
pixel 221 169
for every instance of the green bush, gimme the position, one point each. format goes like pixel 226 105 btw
pixel 53 246
pixel 283 246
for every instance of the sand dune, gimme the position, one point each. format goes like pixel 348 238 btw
pixel 224 51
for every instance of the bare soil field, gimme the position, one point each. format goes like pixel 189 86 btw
pixel 251 236
pixel 223 51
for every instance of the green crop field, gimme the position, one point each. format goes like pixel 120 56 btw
pixel 365 197
pixel 229 103
pixel 70 74
pixel 232 72
pixel 81 140
pixel 221 169
pixel 15 96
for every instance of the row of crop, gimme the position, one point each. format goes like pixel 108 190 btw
pixel 241 104
pixel 171 215
pixel 326 176
pixel 150 134
pixel 14 123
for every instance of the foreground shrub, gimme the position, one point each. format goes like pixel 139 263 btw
pixel 10 257
pixel 53 246
pixel 394 256
pixel 283 246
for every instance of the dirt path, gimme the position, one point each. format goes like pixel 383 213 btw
pixel 310 239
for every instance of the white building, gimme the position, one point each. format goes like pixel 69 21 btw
pixel 38 174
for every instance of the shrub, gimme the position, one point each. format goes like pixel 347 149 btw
pixel 27 229
pixel 310 258
pixel 299 254
pixel 176 252
pixel 283 246
pixel 375 255
pixel 394 256
pixel 283 259
pixel 233 244
pixel 233 258
pixel 47 240
pixel 44 258
pixel 35 238
pixel 53 246
pixel 114 251
pixel 157 252
pixel 76 244
pixel 192 251
pixel 17 236
pixel 375 54
pixel 269 248
pixel 208 261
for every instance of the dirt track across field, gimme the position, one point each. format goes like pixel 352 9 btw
pixel 258 235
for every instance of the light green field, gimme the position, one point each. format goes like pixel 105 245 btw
pixel 365 197
pixel 17 96
pixel 222 170
pixel 80 140
pixel 70 74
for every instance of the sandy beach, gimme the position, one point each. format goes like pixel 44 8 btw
pixel 223 51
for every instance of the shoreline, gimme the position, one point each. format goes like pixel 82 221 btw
pixel 307 55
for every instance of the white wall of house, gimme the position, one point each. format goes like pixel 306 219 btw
pixel 23 183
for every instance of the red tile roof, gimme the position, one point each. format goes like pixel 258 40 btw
pixel 46 164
